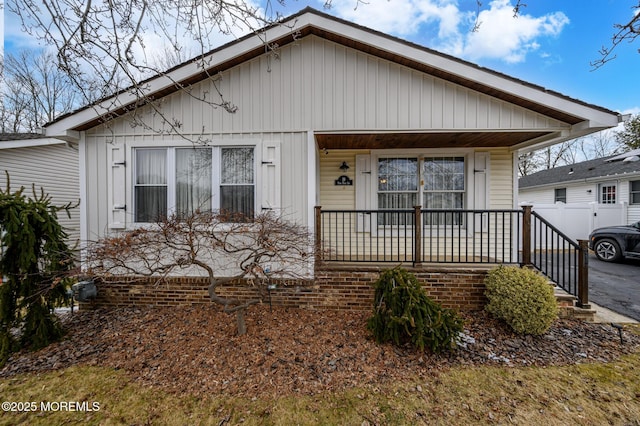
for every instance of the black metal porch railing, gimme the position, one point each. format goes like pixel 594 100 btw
pixel 453 237
pixel 557 256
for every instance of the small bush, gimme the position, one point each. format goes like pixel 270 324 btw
pixel 403 313
pixel 521 297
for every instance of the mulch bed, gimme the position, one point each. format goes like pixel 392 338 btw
pixel 291 351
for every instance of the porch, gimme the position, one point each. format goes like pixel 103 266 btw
pixel 473 238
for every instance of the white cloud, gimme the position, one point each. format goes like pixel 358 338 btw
pixel 632 111
pixel 500 35
pixel 377 15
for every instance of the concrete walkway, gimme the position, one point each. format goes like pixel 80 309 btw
pixel 604 315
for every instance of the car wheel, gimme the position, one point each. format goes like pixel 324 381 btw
pixel 607 250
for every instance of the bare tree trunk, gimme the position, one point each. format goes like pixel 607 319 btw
pixel 231 305
pixel 242 326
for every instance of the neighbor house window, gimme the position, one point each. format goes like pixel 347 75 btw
pixel 634 192
pixel 560 195
pixel 607 194
pixel 185 180
pixel 436 183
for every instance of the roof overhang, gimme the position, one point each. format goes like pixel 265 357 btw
pixel 26 143
pixel 414 140
pixel 583 117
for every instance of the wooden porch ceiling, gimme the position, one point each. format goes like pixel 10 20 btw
pixel 424 140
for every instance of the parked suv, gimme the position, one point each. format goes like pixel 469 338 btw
pixel 613 243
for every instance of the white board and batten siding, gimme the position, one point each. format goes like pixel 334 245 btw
pixel 322 86
pixel 314 85
pixel 49 167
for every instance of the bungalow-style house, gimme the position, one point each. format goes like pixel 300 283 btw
pixel 354 133
pixel 46 163
pixel 581 197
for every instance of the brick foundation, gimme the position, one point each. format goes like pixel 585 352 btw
pixel 343 287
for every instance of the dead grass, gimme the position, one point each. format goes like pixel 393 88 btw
pixel 587 394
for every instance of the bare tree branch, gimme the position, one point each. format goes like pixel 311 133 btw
pixel 227 248
pixel 106 48
pixel 34 92
pixel 624 33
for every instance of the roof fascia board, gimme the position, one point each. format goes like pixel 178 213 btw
pixel 28 143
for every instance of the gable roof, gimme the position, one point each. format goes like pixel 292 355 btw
pixel 585 118
pixel 607 167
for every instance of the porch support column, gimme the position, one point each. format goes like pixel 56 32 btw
pixel 417 236
pixel 318 235
pixel 583 275
pixel 526 235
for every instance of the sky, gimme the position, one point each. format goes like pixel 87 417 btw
pixel 550 43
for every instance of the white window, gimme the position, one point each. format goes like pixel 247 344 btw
pixel 607 194
pixel 634 194
pixel 237 182
pixel 185 180
pixel 193 180
pixel 443 182
pixel 560 195
pixel 436 183
pixel 150 189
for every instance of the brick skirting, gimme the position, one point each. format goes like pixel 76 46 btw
pixel 339 287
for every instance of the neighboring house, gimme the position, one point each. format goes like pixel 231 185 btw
pixel 47 163
pixel 580 197
pixel 365 125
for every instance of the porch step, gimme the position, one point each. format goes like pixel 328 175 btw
pixel 584 314
pixel 567 307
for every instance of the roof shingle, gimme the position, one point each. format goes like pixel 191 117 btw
pixel 602 167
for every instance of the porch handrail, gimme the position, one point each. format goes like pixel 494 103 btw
pixel 557 256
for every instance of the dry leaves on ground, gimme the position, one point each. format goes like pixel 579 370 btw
pixel 195 350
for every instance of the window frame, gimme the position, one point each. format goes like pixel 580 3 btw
pixel 611 197
pixel 137 185
pixel 467 156
pixel 216 174
pixel 562 198
pixel 634 192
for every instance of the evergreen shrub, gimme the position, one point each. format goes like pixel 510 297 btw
pixel 36 265
pixel 403 313
pixel 521 297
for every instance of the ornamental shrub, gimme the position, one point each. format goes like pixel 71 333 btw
pixel 35 262
pixel 522 298
pixel 403 313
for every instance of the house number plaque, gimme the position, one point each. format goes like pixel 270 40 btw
pixel 343 181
